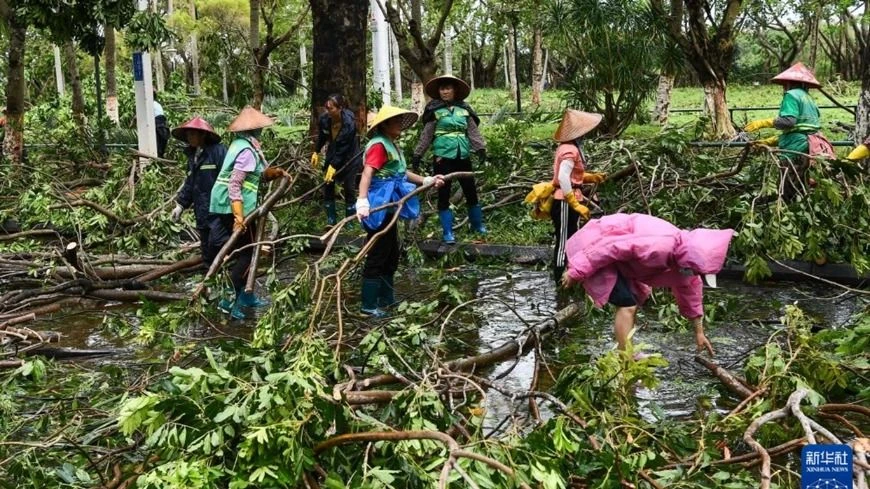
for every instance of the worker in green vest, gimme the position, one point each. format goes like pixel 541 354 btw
pixel 385 180
pixel 450 127
pixel 799 120
pixel 234 196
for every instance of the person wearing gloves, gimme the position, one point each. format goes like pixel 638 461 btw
pixel 337 128
pixel 569 174
pixel 861 151
pixel 621 257
pixel 205 156
pixel 385 179
pixel 234 196
pixel 450 127
pixel 799 119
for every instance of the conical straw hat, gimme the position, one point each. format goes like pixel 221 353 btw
pixel 250 119
pixel 460 88
pixel 576 123
pixel 798 73
pixel 199 124
pixel 388 112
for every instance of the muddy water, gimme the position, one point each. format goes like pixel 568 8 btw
pixel 515 297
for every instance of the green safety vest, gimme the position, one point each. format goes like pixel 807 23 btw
pixel 220 193
pixel 451 133
pixel 798 104
pixel 395 164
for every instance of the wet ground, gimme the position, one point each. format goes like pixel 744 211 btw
pixel 512 297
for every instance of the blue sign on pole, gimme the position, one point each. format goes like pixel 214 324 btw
pixel 137 67
pixel 826 467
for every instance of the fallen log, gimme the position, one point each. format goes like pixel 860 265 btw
pixel 7 364
pixel 518 346
pixel 154 274
pixel 734 384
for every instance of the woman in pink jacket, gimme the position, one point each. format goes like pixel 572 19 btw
pixel 620 258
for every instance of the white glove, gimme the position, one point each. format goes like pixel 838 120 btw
pixel 428 180
pixel 176 213
pixel 362 208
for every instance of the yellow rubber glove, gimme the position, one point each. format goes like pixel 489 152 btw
pixel 771 141
pixel 330 174
pixel 581 209
pixel 859 153
pixel 758 124
pixel 239 214
pixel 593 177
pixel 315 160
pixel 540 191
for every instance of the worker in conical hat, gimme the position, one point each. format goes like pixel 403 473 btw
pixel 385 179
pixel 569 208
pixel 799 120
pixel 234 196
pixel 205 156
pixel 450 127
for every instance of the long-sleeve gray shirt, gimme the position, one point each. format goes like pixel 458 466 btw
pixel 428 135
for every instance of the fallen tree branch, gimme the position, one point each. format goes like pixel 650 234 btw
pixel 730 381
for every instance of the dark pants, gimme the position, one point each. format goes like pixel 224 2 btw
pixel 204 245
pixel 566 222
pixel 383 258
pixel 162 135
pixel 621 295
pixel 469 189
pixel 220 230
pixel 347 177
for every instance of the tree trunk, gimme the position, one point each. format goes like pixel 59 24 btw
pixel 661 112
pixel 511 63
pixel 537 66
pixel 193 48
pixel 862 114
pixel 226 97
pixel 507 64
pixel 448 51
pixel 339 23
pixel 303 64
pixel 13 143
pixel 418 97
pixel 75 84
pixel 254 42
pixel 470 62
pixel 58 72
pixel 716 108
pixel 111 82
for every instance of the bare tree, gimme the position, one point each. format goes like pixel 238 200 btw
pixel 13 143
pixel 416 48
pixel 267 9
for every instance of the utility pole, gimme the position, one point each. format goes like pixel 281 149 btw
pixel 144 87
pixel 58 72
pixel 381 51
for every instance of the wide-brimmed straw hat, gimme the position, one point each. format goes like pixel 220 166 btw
pixel 576 123
pixel 250 119
pixel 388 112
pixel 460 88
pixel 798 73
pixel 197 124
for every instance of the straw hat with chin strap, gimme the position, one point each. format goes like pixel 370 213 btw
pixel 250 119
pixel 576 123
pixel 388 112
pixel 798 73
pixel 460 88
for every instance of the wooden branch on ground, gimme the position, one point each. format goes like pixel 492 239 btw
pixel 730 381
pixel 744 154
pixel 26 234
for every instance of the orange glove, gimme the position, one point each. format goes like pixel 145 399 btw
pixel 594 177
pixel 239 214
pixel 274 172
pixel 581 209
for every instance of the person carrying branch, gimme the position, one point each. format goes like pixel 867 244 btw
pixel 569 175
pixel 337 128
pixel 450 127
pixel 234 196
pixel 205 156
pixel 799 121
pixel 385 179
pixel 619 259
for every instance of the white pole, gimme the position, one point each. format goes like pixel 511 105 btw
pixel 144 98
pixel 448 51
pixel 58 72
pixel 303 65
pixel 381 51
pixel 397 67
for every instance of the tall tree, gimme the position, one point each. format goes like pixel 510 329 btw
pixel 13 143
pixel 670 63
pixel 75 83
pixel 708 45
pixel 268 10
pixel 109 55
pixel 862 114
pixel 339 54
pixel 416 47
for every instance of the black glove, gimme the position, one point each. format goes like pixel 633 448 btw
pixel 415 162
pixel 481 156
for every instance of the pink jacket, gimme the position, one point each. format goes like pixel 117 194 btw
pixel 648 252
